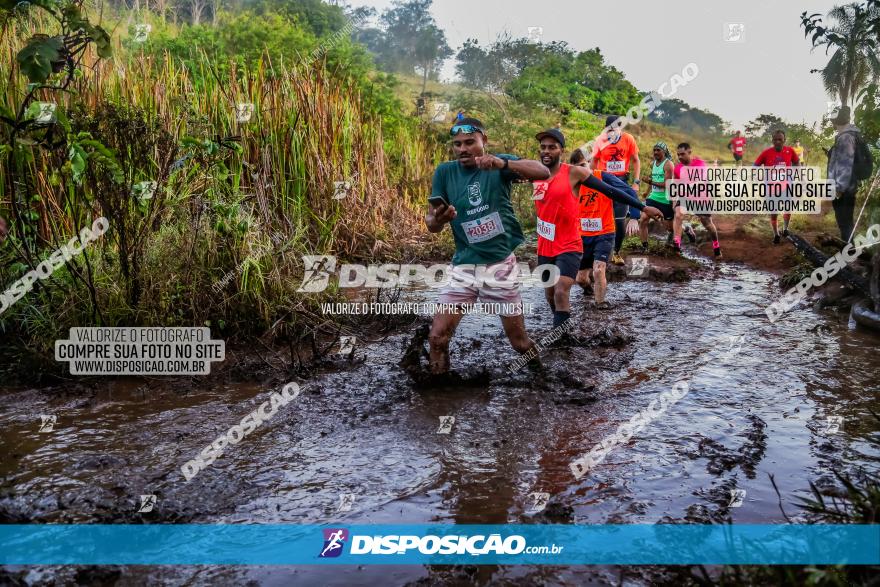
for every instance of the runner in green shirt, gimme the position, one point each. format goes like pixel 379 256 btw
pixel 472 195
pixel 661 172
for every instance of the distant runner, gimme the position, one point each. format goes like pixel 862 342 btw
pixel 737 146
pixel 686 159
pixel 597 229
pixel 779 155
pixel 617 153
pixel 661 172
pixel 472 194
pixel 799 151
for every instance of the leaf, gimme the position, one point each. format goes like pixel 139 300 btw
pixel 100 37
pixel 37 57
pixel 77 157
pixel 73 16
pixel 102 41
pixel 61 118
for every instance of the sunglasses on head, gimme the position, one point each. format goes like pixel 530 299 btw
pixel 465 128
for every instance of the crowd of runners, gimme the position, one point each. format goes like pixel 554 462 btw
pixel 585 208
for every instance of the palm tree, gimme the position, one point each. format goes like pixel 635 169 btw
pixel 856 59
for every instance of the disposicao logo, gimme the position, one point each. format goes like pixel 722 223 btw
pixel 334 541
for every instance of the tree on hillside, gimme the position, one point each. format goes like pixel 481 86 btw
pixel 478 68
pixel 495 67
pixel 675 112
pixel 855 61
pixel 764 124
pixel 407 37
pixel 316 16
pixel 550 75
pixel 430 52
pixel 197 10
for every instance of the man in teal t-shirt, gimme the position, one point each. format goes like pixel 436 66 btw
pixel 472 194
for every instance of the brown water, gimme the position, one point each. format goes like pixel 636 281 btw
pixel 363 429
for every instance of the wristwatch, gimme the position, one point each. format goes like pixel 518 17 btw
pixel 506 164
pixel 637 182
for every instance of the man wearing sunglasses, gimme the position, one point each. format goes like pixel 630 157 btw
pixel 472 195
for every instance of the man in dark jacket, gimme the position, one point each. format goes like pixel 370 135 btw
pixel 841 160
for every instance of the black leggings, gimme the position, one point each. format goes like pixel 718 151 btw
pixel 620 211
pixel 844 210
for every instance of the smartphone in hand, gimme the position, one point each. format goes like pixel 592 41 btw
pixel 438 201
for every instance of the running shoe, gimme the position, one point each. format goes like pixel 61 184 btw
pixel 669 238
pixel 776 240
pixel 616 259
pixel 604 306
pixel 717 253
pixel 689 231
pixel 644 248
pixel 785 232
pixel 588 290
pixel 676 248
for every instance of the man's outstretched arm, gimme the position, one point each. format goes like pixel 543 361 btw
pixel 584 177
pixel 525 168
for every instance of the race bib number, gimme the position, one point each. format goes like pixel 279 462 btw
pixel 546 230
pixel 591 224
pixel 616 166
pixel 482 229
pixel 540 188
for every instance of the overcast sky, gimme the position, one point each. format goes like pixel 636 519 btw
pixel 767 72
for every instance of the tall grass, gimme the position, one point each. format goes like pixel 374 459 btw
pixel 248 198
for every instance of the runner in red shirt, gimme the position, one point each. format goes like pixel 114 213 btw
pixel 559 222
pixel 737 146
pixel 779 155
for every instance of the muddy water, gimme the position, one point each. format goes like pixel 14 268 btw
pixel 363 429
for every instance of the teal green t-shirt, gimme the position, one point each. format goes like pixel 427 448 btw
pixel 658 174
pixel 485 227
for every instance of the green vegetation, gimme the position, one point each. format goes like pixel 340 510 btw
pixel 239 198
pixel 549 76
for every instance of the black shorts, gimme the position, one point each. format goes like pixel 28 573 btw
pixel 596 248
pixel 737 157
pixel 668 212
pixel 567 263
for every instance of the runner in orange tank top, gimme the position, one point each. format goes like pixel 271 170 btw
pixel 598 230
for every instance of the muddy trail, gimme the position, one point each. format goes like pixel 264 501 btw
pixel 363 443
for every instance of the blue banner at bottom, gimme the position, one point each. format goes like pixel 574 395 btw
pixel 250 544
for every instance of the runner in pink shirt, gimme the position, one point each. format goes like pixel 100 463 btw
pixel 686 159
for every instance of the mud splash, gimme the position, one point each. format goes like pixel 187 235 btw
pixel 792 402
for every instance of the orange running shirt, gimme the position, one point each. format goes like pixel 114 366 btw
pixel 597 211
pixel 615 157
pixel 558 219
